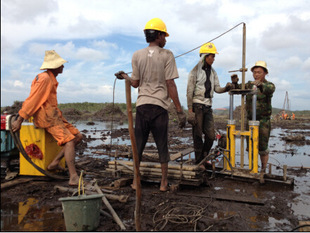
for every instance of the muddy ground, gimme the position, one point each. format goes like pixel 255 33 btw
pixel 266 207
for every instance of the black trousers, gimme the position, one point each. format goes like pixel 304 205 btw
pixel 152 118
pixel 204 125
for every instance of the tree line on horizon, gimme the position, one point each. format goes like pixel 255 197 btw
pixel 94 107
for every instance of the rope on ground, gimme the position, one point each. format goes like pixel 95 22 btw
pixel 179 213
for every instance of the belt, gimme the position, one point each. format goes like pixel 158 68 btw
pixel 202 106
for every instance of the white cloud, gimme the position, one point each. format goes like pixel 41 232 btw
pixel 293 62
pixel 98 39
pixel 20 11
pixel 306 64
pixel 88 54
pixel 18 83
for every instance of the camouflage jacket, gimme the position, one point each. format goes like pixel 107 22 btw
pixel 263 103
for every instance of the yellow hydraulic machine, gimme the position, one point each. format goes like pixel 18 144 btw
pixel 252 134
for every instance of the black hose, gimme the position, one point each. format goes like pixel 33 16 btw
pixel 252 150
pixel 296 228
pixel 20 147
pixel 229 142
pixel 231 167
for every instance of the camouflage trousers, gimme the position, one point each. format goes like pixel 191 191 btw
pixel 264 134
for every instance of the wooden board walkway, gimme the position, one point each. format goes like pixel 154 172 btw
pixel 268 178
pixel 151 171
pixel 190 174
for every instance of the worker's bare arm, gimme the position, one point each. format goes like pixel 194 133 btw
pixel 122 75
pixel 173 93
pixel 16 125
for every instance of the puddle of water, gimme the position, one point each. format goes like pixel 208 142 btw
pixel 301 204
pixel 255 222
pixel 25 216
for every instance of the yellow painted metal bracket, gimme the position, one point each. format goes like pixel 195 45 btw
pixel 252 134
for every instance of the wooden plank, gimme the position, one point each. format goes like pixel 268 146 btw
pixel 234 198
pixel 112 211
pixel 172 171
pixel 251 176
pixel 150 151
pixel 192 182
pixel 121 182
pixel 154 174
pixel 175 166
pixel 181 153
pixel 12 183
pixel 112 154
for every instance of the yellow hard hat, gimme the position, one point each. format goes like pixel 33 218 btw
pixel 208 48
pixel 156 24
pixel 262 64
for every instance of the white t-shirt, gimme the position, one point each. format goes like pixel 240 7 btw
pixel 152 66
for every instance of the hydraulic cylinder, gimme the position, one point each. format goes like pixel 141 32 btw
pixel 253 146
pixel 230 132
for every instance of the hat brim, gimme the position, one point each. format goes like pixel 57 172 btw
pixel 266 70
pixel 53 64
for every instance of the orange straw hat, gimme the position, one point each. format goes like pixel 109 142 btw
pixel 52 60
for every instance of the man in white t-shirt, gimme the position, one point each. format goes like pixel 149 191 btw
pixel 153 72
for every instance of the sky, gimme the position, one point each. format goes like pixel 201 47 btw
pixel 99 37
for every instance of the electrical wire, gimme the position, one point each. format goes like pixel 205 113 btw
pixel 205 43
pixel 210 40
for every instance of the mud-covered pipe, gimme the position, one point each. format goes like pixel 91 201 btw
pixel 254 99
pixel 231 107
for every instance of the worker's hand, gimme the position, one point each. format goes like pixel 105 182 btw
pixel 229 86
pixel 16 125
pixel 119 74
pixel 234 79
pixel 182 119
pixel 191 118
pixel 257 83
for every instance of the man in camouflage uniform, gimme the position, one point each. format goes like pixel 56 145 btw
pixel 263 106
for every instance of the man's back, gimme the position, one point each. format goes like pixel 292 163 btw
pixel 152 66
